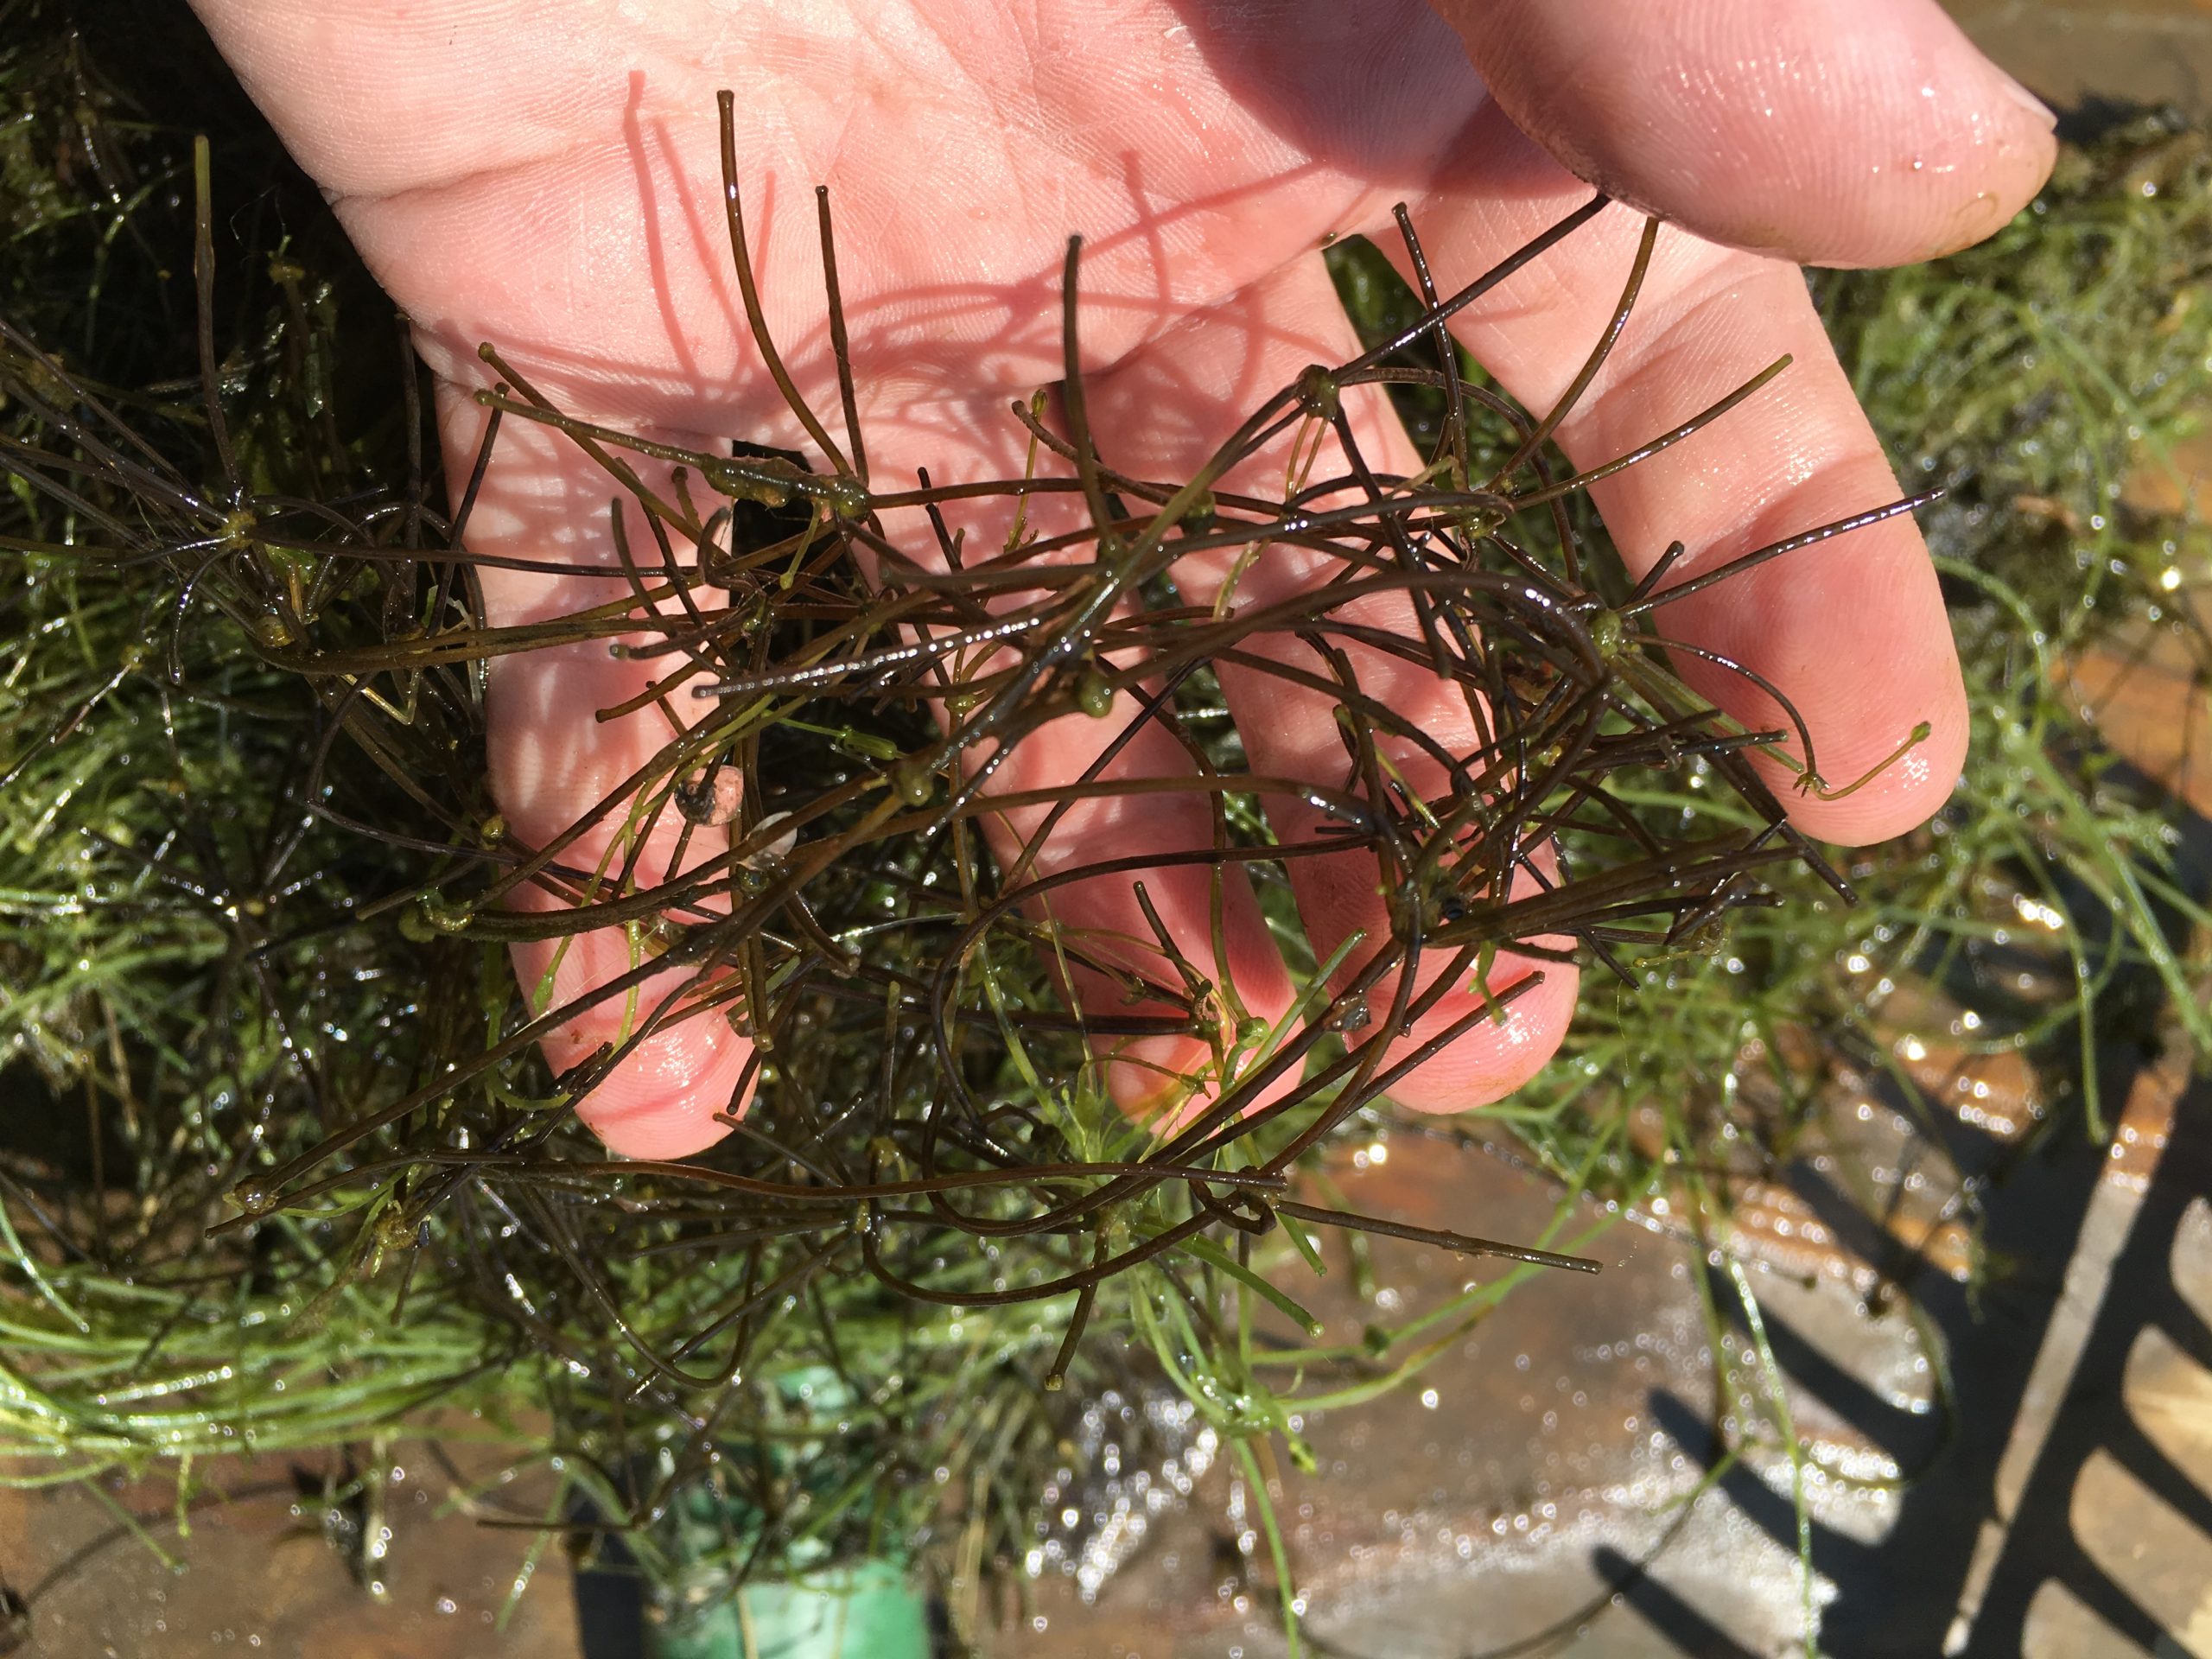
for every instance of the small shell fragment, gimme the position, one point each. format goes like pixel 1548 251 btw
pixel 712 799
pixel 778 850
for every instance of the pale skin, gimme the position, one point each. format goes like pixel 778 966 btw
pixel 544 175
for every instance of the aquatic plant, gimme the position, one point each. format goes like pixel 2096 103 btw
pixel 287 1166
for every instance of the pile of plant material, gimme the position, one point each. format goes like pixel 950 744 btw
pixel 284 1165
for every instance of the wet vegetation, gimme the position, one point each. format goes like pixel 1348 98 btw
pixel 280 1165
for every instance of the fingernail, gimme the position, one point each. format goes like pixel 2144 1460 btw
pixel 2027 100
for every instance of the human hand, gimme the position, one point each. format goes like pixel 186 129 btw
pixel 545 176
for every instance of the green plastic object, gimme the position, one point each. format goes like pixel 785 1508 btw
pixel 866 1611
pixel 821 1609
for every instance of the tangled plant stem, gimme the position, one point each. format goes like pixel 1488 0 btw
pixel 932 1191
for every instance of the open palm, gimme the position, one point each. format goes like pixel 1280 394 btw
pixel 545 175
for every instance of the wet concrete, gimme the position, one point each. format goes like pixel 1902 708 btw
pixel 2077 53
pixel 263 1571
pixel 1490 1501
pixel 1551 1485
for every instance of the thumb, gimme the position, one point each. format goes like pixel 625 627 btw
pixel 1842 132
